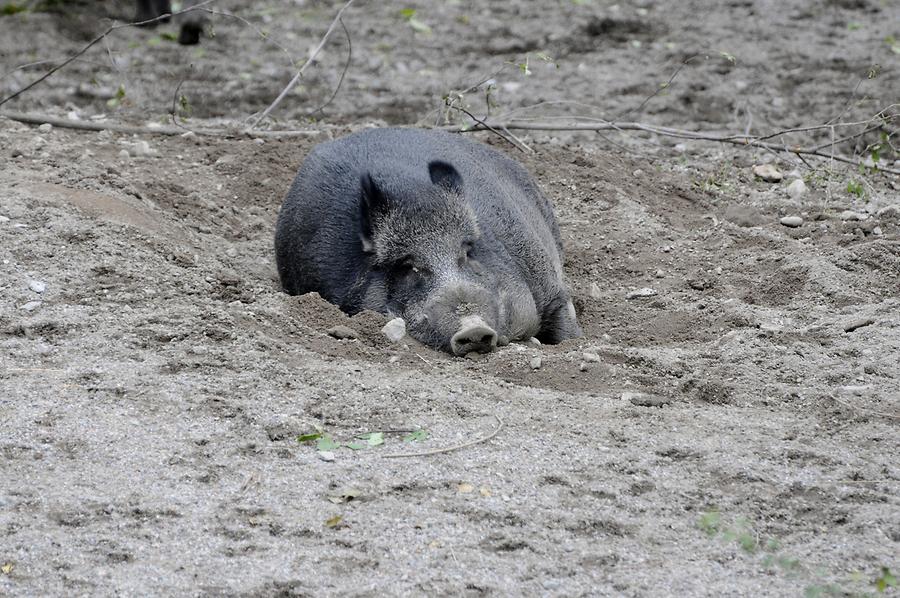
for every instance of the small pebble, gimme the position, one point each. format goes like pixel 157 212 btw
pixel 535 363
pixel 792 221
pixel 31 305
pixel 590 357
pixel 855 390
pixel 596 293
pixel 858 323
pixel 851 215
pixel 231 252
pixel 142 148
pixel 583 366
pixel 660 274
pixel 16 153
pixel 342 332
pixel 394 330
pixel 37 286
pixel 638 293
pixel 877 231
pixel 124 155
pixel 644 400
pixel 326 456
pixel 393 359
pixel 45 128
pixel 4 219
pixel 534 342
pixel 768 173
pixel 796 189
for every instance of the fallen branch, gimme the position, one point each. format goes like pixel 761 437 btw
pixel 265 113
pixel 740 140
pixel 450 448
pixel 94 41
pixel 84 125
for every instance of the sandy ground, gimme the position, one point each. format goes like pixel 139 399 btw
pixel 731 431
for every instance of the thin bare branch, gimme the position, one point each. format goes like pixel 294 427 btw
pixel 94 41
pixel 450 448
pixel 82 125
pixel 740 140
pixel 265 113
pixel 343 72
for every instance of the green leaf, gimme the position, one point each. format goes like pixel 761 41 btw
pixel 168 36
pixel 853 26
pixel 727 56
pixel 419 26
pixel 855 188
pixel 407 13
pixel 327 443
pixel 886 580
pixel 709 522
pixel 813 591
pixel 375 438
pixel 747 542
pixel 309 436
pixel 357 446
pixel 12 8
pixel 416 436
pixel 334 521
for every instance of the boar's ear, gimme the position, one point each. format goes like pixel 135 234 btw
pixel 371 205
pixel 445 175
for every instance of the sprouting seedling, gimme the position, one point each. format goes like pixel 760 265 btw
pixel 409 15
pixel 117 99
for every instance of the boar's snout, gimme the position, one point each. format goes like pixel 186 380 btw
pixel 473 335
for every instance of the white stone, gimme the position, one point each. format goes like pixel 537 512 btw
pixel 31 305
pixel 45 128
pixel 37 286
pixel 394 330
pixel 638 293
pixel 851 215
pixel 768 173
pixel 796 189
pixel 792 221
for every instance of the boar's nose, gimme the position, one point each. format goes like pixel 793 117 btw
pixel 473 335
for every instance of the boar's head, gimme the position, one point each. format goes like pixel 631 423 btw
pixel 423 242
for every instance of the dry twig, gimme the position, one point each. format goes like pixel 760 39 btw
pixel 94 41
pixel 450 448
pixel 265 113
pixel 87 125
pixel 740 140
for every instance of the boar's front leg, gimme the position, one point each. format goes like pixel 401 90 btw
pixel 558 322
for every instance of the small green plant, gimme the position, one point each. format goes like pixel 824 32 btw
pixel 409 15
pixel 885 580
pixel 326 442
pixel 11 8
pixel 116 100
pixel 893 44
pixel 855 188
pixel 740 532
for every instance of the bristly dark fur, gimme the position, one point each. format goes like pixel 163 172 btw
pixel 430 226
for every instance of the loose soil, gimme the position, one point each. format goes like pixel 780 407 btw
pixel 731 431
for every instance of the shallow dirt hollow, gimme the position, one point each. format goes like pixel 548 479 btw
pixel 733 430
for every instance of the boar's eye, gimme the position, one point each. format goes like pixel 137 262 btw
pixel 407 267
pixel 466 252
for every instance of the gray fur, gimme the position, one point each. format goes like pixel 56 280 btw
pixel 383 220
